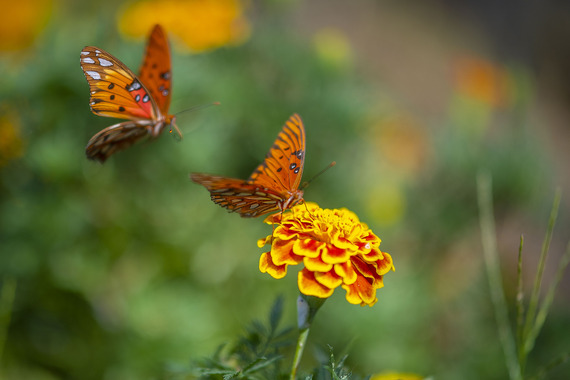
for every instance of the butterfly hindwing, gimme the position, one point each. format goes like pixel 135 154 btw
pixel 114 138
pixel 115 90
pixel 237 195
pixel 155 71
pixel 282 168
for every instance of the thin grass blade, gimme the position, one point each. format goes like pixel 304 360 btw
pixel 491 256
pixel 533 303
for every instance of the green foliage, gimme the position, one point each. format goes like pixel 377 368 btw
pixel 262 353
pixel 529 322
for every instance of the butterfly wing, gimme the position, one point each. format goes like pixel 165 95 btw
pixel 236 195
pixel 156 68
pixel 282 169
pixel 114 138
pixel 115 90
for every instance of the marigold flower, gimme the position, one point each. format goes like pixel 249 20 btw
pixel 199 24
pixel 335 248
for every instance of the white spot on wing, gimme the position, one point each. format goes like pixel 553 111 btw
pixel 88 60
pixel 93 74
pixel 85 53
pixel 104 62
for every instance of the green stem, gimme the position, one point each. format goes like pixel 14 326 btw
pixel 299 351
pixel 520 307
pixel 491 256
pixel 6 305
pixel 528 337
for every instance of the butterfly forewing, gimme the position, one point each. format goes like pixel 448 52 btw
pixel 155 70
pixel 115 90
pixel 282 168
pixel 273 186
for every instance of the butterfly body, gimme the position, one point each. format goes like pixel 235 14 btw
pixel 274 184
pixel 117 92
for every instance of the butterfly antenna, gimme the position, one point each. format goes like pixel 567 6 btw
pixel 195 108
pixel 199 107
pixel 305 184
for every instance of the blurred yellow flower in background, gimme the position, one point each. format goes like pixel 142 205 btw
pixel 11 143
pixel 335 248
pixel 333 47
pixel 21 22
pixel 199 24
pixel 396 376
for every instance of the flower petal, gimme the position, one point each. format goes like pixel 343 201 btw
pixel 316 264
pixel 308 248
pixel 361 292
pixel 335 255
pixel 346 271
pixel 267 266
pixel 282 253
pixel 328 279
pixel 309 286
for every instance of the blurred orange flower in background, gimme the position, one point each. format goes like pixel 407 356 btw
pixel 482 80
pixel 21 22
pixel 335 248
pixel 11 143
pixel 403 143
pixel 199 24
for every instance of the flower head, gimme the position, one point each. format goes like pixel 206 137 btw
pixel 335 248
pixel 199 24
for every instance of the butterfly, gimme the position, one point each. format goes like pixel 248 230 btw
pixel 117 92
pixel 273 185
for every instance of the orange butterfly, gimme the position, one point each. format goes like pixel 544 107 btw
pixel 273 185
pixel 117 92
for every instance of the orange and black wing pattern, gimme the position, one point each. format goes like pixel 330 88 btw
pixel 283 166
pixel 115 90
pixel 273 186
pixel 155 71
pixel 113 139
pixel 236 195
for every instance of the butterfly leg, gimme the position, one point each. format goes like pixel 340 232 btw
pixel 307 208
pixel 173 124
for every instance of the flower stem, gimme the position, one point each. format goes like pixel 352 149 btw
pixel 301 341
pixel 307 307
pixel 491 258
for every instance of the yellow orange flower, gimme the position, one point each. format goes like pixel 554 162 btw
pixel 200 24
pixel 21 22
pixel 335 248
pixel 482 80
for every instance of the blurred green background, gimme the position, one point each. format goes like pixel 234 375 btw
pixel 126 267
